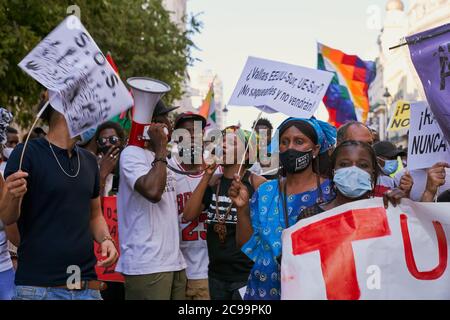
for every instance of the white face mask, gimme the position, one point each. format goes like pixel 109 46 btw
pixel 7 152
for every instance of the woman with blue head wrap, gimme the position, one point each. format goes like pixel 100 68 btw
pixel 277 204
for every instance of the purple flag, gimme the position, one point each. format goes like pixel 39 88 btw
pixel 430 53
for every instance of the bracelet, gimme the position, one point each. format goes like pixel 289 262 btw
pixel 159 160
pixel 108 238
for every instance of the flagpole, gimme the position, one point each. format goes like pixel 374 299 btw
pixel 31 130
pixel 419 39
pixel 250 139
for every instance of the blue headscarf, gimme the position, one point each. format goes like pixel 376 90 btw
pixel 326 133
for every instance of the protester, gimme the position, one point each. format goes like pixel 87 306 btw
pixel 357 131
pixel 193 233
pixel 110 138
pixel 387 156
pixel 151 260
pixel 58 217
pixel 354 130
pixel 229 268
pixel 277 203
pixel 268 163
pixel 12 139
pixel 354 168
pixel 436 177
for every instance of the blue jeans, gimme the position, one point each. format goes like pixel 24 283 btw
pixel 7 288
pixel 41 293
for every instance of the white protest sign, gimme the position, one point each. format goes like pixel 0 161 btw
pixel 426 142
pixel 280 87
pixel 362 251
pixel 86 88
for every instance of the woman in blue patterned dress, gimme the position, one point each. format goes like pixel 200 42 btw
pixel 277 203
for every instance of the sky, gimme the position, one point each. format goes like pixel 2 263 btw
pixel 282 30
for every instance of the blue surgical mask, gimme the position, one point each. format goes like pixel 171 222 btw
pixel 390 166
pixel 352 182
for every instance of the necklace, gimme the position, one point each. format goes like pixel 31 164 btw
pixel 78 156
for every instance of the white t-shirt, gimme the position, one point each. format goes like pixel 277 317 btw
pixel 192 234
pixel 420 182
pixel 5 258
pixel 148 232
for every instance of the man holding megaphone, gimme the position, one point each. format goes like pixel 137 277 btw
pixel 151 260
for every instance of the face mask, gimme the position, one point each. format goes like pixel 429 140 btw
pixel 86 136
pixel 404 163
pixel 104 150
pixel 390 166
pixel 294 161
pixel 7 152
pixel 352 182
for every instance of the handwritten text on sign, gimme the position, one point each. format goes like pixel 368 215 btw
pixel 362 251
pixel 280 87
pixel 426 142
pixel 110 215
pixel 69 63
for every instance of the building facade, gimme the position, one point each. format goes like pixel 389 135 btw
pixel 396 77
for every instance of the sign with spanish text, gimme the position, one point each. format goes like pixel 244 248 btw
pixel 400 116
pixel 274 86
pixel 361 250
pixel 83 85
pixel 426 142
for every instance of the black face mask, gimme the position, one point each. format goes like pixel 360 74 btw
pixel 104 150
pixel 294 161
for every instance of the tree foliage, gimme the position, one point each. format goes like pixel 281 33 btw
pixel 139 35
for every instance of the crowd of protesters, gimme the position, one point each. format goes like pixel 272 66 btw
pixel 194 230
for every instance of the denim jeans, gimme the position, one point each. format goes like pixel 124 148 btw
pixel 41 293
pixel 225 290
pixel 7 288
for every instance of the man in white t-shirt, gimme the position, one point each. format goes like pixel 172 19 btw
pixel 151 260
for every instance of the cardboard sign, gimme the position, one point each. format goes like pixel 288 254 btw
pixel 426 142
pixel 400 117
pixel 280 87
pixel 83 85
pixel 362 251
pixel 110 214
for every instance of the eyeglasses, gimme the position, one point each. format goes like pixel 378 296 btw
pixel 112 140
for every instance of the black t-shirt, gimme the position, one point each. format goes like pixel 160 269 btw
pixel 444 196
pixel 55 214
pixel 226 261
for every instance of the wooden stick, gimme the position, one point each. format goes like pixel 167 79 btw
pixel 31 130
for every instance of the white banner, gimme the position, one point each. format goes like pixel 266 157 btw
pixel 69 63
pixel 362 251
pixel 280 87
pixel 426 142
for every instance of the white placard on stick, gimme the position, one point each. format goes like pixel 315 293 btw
pixel 86 88
pixel 280 87
pixel 426 142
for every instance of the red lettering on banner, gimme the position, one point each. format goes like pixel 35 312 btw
pixel 409 255
pixel 333 238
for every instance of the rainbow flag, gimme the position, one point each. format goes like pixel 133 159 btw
pixel 208 108
pixel 347 96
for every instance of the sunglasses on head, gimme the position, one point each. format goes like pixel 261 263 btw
pixel 112 140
